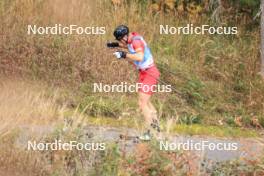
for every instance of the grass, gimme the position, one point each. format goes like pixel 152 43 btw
pixel 215 131
pixel 183 129
pixel 216 75
pixel 34 104
pixel 147 159
pixel 26 107
pixel 26 102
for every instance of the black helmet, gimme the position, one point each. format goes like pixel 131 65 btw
pixel 120 32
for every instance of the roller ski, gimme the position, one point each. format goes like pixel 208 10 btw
pixel 135 139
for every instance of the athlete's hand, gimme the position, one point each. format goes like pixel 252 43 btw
pixel 112 44
pixel 120 54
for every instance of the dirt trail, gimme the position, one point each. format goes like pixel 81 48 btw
pixel 246 148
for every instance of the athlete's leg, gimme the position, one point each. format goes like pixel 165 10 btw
pixel 154 117
pixel 153 110
pixel 143 102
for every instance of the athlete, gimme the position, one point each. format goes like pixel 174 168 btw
pixel 140 55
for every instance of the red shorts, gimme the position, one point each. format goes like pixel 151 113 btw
pixel 148 80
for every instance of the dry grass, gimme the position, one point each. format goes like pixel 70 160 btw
pixel 217 75
pixel 23 103
pixel 29 111
pixel 26 103
pixel 31 103
pixel 223 68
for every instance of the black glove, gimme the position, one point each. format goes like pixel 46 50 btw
pixel 120 54
pixel 112 44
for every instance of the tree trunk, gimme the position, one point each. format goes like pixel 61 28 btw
pixel 262 38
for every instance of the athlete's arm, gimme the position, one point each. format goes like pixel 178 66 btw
pixel 113 45
pixel 138 56
pixel 138 48
pixel 121 45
